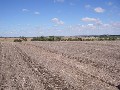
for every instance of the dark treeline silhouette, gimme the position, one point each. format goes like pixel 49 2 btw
pixel 49 38
pixel 77 38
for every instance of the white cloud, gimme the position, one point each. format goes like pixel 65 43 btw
pixel 92 20
pixel 116 24
pixel 99 10
pixel 58 1
pixel 87 19
pixel 104 28
pixel 82 27
pixel 57 21
pixel 90 24
pixel 106 25
pixel 37 13
pixel 25 10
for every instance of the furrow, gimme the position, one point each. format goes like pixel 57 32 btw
pixel 49 80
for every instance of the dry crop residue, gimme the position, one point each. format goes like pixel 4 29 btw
pixel 60 66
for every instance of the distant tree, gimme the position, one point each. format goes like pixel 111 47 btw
pixel 69 39
pixel 112 38
pixel 23 38
pixel 51 38
pixel 42 38
pixel 79 39
pixel 17 40
pixel 57 39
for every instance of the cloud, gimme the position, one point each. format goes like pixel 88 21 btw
pixel 58 1
pixel 37 13
pixel 90 24
pixel 99 10
pixel 92 20
pixel 83 28
pixel 57 21
pixel 87 19
pixel 25 10
pixel 104 28
pixel 116 24
pixel 93 26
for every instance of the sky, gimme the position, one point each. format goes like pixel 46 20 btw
pixel 59 17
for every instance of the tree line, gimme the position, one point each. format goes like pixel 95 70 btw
pixel 62 38
pixel 58 38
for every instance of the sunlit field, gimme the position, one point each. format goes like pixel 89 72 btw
pixel 61 65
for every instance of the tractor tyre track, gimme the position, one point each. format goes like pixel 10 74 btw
pixel 87 62
pixel 49 80
pixel 88 74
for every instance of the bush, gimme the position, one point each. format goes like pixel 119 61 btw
pixel 17 40
pixel 57 39
pixel 23 38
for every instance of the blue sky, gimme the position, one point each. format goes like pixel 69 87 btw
pixel 59 17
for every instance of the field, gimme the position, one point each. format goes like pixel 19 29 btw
pixel 62 65
pixel 11 39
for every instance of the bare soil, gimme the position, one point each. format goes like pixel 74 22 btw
pixel 92 65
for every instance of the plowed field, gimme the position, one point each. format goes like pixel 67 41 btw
pixel 92 65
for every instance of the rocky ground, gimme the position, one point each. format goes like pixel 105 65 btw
pixel 92 65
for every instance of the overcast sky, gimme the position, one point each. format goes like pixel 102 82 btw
pixel 59 17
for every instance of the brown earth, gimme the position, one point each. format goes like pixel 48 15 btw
pixel 93 65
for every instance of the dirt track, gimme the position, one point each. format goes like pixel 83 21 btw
pixel 60 66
